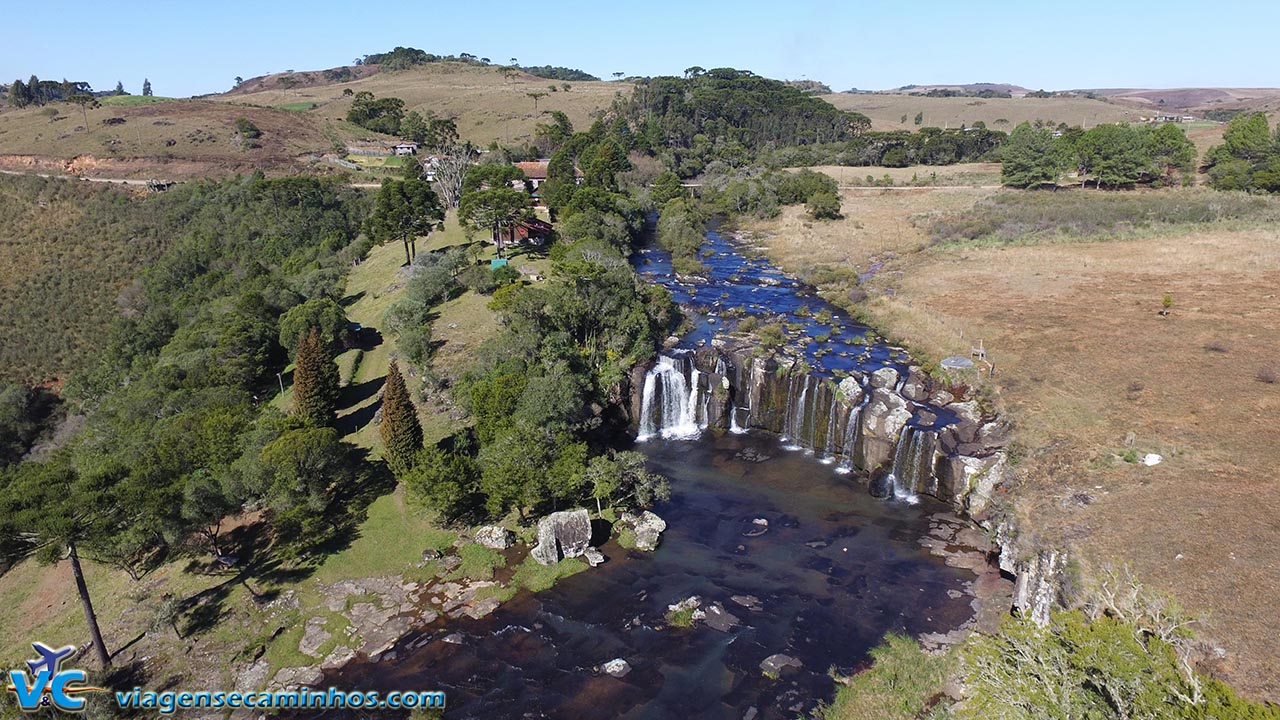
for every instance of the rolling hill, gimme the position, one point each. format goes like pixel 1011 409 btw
pixel 897 111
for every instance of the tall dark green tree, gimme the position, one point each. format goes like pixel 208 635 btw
pixel 315 381
pixel 1031 158
pixel 401 433
pixel 51 512
pixel 119 89
pixel 146 87
pixel 403 210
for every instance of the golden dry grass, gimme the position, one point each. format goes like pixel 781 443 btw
pixel 886 110
pixel 486 105
pixel 1088 369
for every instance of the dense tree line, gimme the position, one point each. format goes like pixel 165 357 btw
pixel 900 148
pixel 555 72
pixel 1249 156
pixel 39 92
pixel 1109 155
pixel 729 115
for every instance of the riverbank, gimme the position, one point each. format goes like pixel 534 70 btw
pixel 1095 377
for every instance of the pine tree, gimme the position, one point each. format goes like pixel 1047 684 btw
pixel 146 87
pixel 119 89
pixel 401 433
pixel 315 381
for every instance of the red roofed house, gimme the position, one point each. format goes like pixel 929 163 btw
pixel 536 172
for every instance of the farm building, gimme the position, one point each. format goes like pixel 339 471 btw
pixel 536 172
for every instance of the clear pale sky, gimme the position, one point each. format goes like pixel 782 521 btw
pixel 189 48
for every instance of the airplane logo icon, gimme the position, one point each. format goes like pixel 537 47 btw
pixel 50 659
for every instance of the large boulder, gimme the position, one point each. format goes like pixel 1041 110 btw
pixel 850 391
pixel 885 377
pixel 561 535
pixel 916 386
pixel 647 527
pixel 494 537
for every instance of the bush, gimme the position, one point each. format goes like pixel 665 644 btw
pixel 824 206
pixel 247 129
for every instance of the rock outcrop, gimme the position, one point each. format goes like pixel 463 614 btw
pixel 647 527
pixel 494 537
pixel 561 535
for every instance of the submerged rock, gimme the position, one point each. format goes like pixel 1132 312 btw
pixel 616 667
pixel 774 664
pixel 494 537
pixel 561 535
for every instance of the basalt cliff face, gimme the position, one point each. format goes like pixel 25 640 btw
pixel 906 432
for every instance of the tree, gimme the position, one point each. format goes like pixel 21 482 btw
pixel 666 187
pixel 1114 154
pixel 400 431
pixel 315 381
pixel 496 210
pixel 239 81
pixel 444 480
pixel 450 172
pixel 321 314
pixel 919 118
pixel 205 503
pixel 1030 158
pixel 119 89
pixel 403 210
pixel 824 206
pixel 146 86
pixel 85 101
pixel 20 94
pixel 492 175
pixel 54 511
pixel 536 96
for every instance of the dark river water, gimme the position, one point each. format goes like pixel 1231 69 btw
pixel 835 572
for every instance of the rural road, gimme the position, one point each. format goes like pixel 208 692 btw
pixel 374 186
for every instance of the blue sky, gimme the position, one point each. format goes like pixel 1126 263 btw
pixel 188 48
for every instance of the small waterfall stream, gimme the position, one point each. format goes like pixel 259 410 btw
pixel 913 459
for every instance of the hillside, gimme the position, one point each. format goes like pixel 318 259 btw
pixel 166 138
pixel 300 118
pixel 1196 100
pixel 487 104
pixel 888 110
pixel 68 253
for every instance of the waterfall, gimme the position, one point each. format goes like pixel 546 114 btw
pixel 734 427
pixel 670 402
pixel 829 447
pixel 796 414
pixel 912 463
pixel 852 431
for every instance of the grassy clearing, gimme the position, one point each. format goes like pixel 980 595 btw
pixel 478 563
pixel 960 174
pixel 131 100
pixel 887 111
pixel 901 684
pixel 381 547
pixel 535 577
pixel 298 106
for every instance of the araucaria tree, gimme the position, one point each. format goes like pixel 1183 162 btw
pixel 404 210
pixel 315 381
pixel 401 433
pixel 496 210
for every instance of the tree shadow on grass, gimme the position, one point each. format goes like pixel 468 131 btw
pixel 350 300
pixel 353 395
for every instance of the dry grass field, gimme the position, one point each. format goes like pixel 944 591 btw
pixel 487 105
pixel 1094 378
pixel 887 110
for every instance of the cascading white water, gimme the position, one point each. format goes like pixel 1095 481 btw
pixel 734 427
pixel 829 446
pixel 669 403
pixel 915 449
pixel 796 433
pixel 852 432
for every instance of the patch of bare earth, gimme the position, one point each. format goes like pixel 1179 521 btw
pixel 1091 372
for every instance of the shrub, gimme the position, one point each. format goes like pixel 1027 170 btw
pixel 1267 375
pixel 247 129
pixel 824 206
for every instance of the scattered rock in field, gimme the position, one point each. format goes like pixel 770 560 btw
pixel 450 563
pixel 253 677
pixel 616 667
pixel 494 537
pixel 293 677
pixel 563 534
pixel 313 636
